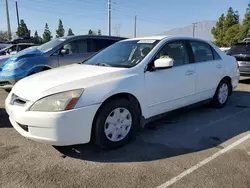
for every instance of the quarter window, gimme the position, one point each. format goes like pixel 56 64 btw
pixel 175 50
pixel 202 51
pixel 216 55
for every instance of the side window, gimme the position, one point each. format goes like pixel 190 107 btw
pixel 216 55
pixel 82 45
pixel 177 51
pixel 71 47
pixel 12 49
pixel 91 45
pixel 22 47
pixel 202 51
pixel 99 44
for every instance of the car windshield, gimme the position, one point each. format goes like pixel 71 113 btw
pixel 123 54
pixel 240 49
pixel 50 45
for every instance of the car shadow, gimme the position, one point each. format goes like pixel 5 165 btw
pixel 181 132
pixel 4 119
pixel 245 81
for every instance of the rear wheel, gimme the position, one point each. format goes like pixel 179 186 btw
pixel 115 124
pixel 222 94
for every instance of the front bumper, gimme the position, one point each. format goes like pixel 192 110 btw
pixel 244 70
pixel 53 128
pixel 9 78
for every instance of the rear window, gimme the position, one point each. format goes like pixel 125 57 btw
pixel 240 49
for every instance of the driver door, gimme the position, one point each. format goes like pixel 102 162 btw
pixel 71 56
pixel 171 88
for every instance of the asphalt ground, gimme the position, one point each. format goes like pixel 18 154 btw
pixel 198 147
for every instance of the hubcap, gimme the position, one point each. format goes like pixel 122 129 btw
pixel 223 93
pixel 118 124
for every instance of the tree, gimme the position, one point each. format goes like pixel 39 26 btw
pixel 245 28
pixel 36 34
pixel 218 31
pixel 3 36
pixel 37 39
pixel 60 31
pixel 22 30
pixel 47 34
pixel 70 32
pixel 99 32
pixel 91 32
pixel 231 19
pixel 232 35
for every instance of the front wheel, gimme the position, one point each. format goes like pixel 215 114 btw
pixel 115 124
pixel 222 94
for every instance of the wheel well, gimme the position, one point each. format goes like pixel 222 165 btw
pixel 131 98
pixel 43 69
pixel 227 78
pixel 46 68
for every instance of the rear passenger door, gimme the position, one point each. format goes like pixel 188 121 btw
pixel 96 45
pixel 209 68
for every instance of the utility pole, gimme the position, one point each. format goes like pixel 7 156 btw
pixel 8 20
pixel 17 14
pixel 194 26
pixel 135 28
pixel 109 17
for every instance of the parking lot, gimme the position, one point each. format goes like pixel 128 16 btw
pixel 198 147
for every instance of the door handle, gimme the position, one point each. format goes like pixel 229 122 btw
pixel 188 73
pixel 218 66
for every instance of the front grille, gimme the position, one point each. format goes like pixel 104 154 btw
pixel 15 100
pixel 24 127
pixel 4 83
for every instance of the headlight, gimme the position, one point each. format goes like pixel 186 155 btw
pixel 13 65
pixel 57 102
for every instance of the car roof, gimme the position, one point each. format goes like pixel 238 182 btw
pixel 166 37
pixel 25 44
pixel 94 36
pixel 150 38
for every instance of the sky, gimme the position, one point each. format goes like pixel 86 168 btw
pixel 153 16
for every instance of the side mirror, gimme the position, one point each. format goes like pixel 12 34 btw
pixel 64 51
pixel 163 63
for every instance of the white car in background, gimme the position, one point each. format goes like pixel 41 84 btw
pixel 225 49
pixel 114 93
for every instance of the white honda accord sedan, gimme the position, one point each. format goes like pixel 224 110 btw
pixel 114 93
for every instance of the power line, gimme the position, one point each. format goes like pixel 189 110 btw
pixel 117 29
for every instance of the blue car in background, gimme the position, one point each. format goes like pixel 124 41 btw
pixel 55 53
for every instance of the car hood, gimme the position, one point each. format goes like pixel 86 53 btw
pixel 3 59
pixel 26 53
pixel 63 79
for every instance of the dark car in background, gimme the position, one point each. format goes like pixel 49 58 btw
pixel 3 45
pixel 241 51
pixel 15 48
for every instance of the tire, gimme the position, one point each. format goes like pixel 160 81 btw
pixel 222 94
pixel 110 132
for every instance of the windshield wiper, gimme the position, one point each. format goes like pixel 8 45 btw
pixel 103 64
